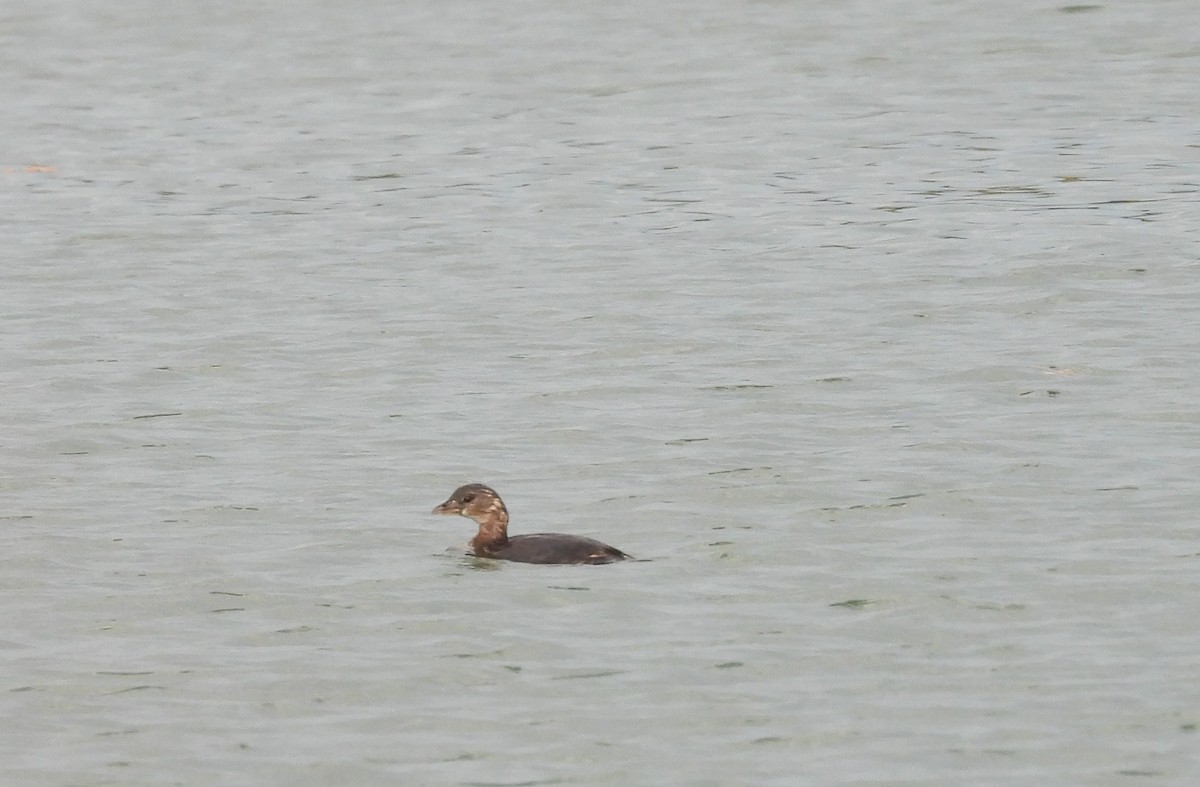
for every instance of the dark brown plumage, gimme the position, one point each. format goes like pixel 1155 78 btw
pixel 482 504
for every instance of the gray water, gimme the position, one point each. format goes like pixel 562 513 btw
pixel 870 327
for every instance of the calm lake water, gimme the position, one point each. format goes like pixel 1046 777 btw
pixel 872 327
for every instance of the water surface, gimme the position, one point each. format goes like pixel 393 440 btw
pixel 870 326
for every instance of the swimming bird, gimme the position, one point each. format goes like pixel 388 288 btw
pixel 481 503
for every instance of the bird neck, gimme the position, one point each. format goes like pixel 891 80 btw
pixel 493 530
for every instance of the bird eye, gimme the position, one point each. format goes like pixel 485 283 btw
pixel 468 498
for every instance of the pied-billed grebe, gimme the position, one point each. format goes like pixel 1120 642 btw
pixel 481 503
